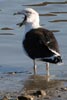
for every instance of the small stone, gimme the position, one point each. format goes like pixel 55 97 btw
pixel 25 97
pixel 59 96
pixel 5 98
pixel 64 89
pixel 41 93
pixel 12 73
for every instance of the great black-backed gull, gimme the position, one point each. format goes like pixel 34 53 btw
pixel 39 43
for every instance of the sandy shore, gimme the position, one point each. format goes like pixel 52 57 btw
pixel 54 89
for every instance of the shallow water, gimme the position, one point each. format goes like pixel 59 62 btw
pixel 53 16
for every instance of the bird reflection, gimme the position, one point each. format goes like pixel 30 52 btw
pixel 36 82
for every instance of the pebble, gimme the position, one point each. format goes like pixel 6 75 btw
pixel 26 97
pixel 5 98
pixel 64 88
pixel 12 73
pixel 40 93
pixel 59 96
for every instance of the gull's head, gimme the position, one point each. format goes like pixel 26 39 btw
pixel 31 17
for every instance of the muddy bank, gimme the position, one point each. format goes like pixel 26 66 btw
pixel 54 89
pixel 38 88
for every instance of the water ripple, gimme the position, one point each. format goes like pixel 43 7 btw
pixel 58 21
pixel 49 14
pixel 46 3
pixel 59 12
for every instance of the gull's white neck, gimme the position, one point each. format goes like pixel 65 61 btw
pixel 32 21
pixel 30 26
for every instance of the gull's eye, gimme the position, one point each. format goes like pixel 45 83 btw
pixel 28 12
